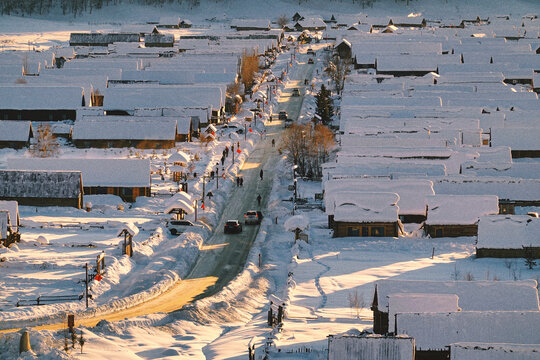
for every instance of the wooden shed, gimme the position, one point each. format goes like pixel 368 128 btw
pixel 159 40
pixel 42 188
pixel 344 49
pixel 369 346
pixel 101 39
pixel 457 215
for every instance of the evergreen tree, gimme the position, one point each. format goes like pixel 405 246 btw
pixel 325 105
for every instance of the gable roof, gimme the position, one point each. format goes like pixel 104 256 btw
pixel 15 130
pixel 460 209
pixel 40 184
pixel 125 128
pixel 363 207
pixel 41 97
pixel 95 172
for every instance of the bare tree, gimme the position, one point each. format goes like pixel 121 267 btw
pixel 250 66
pixel 337 68
pixel 282 20
pixel 45 144
pixel 356 303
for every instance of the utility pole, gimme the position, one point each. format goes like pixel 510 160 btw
pixel 245 135
pixel 86 283
pixel 217 178
pixel 196 210
pixel 203 187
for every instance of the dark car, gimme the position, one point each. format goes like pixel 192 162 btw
pixel 253 217
pixel 232 227
pixel 296 92
pixel 283 115
pixel 180 226
pixel 310 51
pixel 310 61
pixel 288 123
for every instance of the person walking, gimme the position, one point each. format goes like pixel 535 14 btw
pixel 261 173
pixel 259 198
pixel 237 181
pixel 241 181
pixel 273 142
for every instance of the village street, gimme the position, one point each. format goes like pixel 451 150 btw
pixel 222 255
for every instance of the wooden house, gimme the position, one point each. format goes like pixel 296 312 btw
pixel 457 215
pixel 297 17
pixel 15 134
pixel 126 178
pixel 523 141
pixel 473 296
pixel 12 207
pixel 42 188
pixel 40 103
pixel 169 22
pixel 180 161
pixel 344 49
pixel 370 346
pixel 366 214
pixel 508 236
pixel 143 30
pixel 405 21
pixel 101 39
pixel 493 351
pixel 310 24
pixel 125 131
pixel 9 223
pixel 159 40
pixel 250 24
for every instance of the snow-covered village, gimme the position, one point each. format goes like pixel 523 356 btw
pixel 289 179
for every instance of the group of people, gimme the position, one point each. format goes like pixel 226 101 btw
pixel 239 181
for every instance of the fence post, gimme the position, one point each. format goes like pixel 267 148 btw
pixel 86 284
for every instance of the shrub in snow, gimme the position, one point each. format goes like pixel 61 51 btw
pixel 42 240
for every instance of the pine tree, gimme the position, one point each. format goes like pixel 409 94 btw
pixel 325 106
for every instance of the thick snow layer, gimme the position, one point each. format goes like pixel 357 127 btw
pixel 364 207
pixel 459 209
pixel 493 351
pixel 132 128
pixel 371 347
pixel 22 97
pixel 95 172
pixel 15 130
pixel 508 232
pixel 435 331
pixel 12 208
pixel 179 157
pixel 516 138
pixel 296 222
pixel 473 295
pixel 412 192
pixel 419 303
pixel 501 186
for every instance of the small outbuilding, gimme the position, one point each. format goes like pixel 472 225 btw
pixel 370 346
pixel 15 134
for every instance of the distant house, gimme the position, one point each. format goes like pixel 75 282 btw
pixel 125 131
pixel 508 236
pixel 344 49
pixel 169 22
pixel 15 134
pixel 457 215
pixel 366 214
pixel 142 30
pixel 101 39
pixel 9 223
pixel 159 40
pixel 490 350
pixel 13 208
pixel 370 346
pixel 523 141
pixel 296 17
pixel 251 24
pixel 126 178
pixel 405 21
pixel 473 296
pixel 40 103
pixel 311 24
pixel 42 188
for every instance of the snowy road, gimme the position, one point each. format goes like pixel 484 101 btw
pixel 223 256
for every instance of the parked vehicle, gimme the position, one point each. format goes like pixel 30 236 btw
pixel 177 227
pixel 288 123
pixel 253 217
pixel 310 51
pixel 296 92
pixel 283 115
pixel 310 61
pixel 233 227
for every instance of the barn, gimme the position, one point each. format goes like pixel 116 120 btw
pixel 15 134
pixel 42 188
pixel 508 236
pixel 457 215
pixel 126 178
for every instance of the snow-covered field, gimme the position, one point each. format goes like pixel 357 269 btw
pixel 326 284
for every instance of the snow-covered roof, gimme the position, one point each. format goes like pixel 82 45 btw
pixel 370 346
pixel 412 192
pixel 40 184
pixel 15 130
pixel 131 228
pixel 414 62
pixel 13 208
pixel 460 209
pixel 179 204
pixel 508 232
pixel 312 23
pixel 95 172
pixel 4 223
pixel 129 98
pixel 473 295
pixel 435 331
pixel 503 187
pixel 134 128
pixel 39 97
pixel 493 351
pixel 366 207
pixel 180 157
pixel 138 28
pixel 516 138
pixel 181 195
pixel 263 24
pixel 296 222
pixel 419 302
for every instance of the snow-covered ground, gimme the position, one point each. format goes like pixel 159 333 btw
pixel 317 281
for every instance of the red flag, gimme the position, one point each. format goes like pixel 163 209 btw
pixel 260 115
pixel 239 151
pixel 202 206
pixel 213 133
pixel 266 102
pixel 250 130
pixel 98 277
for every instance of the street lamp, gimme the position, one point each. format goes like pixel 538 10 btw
pixel 294 171
pixel 295 187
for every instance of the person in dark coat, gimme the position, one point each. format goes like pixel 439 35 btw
pixel 261 173
pixel 259 198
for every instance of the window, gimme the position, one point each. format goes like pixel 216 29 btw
pixel 352 231
pixel 365 230
pixel 438 232
pixel 377 231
